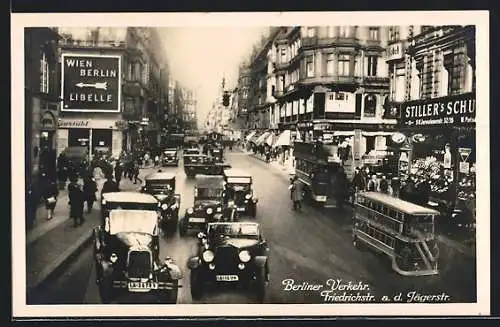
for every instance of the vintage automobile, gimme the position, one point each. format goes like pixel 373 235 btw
pixel 169 157
pixel 216 153
pixel 209 205
pixel 202 164
pixel 162 186
pixel 239 191
pixel 230 252
pixel 126 255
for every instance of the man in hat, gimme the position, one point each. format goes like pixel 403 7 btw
pixel 76 201
pixel 297 193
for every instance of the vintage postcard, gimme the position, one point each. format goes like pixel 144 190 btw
pixel 250 164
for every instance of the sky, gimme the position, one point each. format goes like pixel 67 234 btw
pixel 199 57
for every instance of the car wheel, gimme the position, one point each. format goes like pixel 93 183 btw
pixel 261 284
pixel 196 285
pixel 171 296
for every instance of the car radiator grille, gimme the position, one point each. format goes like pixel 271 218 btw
pixel 239 198
pixel 226 259
pixel 139 264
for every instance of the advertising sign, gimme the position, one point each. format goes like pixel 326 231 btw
pixel 395 51
pixel 90 83
pixel 459 110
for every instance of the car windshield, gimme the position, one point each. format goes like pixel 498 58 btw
pixel 247 230
pixel 132 221
pixel 208 193
pixel 130 206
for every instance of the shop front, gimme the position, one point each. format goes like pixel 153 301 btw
pixel 436 149
pixel 99 135
pixel 48 127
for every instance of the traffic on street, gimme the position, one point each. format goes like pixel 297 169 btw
pixel 310 251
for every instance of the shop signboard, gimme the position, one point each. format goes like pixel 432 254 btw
pixel 464 153
pixel 464 167
pixel 459 110
pixel 395 51
pixel 91 83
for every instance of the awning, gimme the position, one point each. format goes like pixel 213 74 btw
pixel 343 133
pixel 262 138
pixel 249 136
pixel 270 139
pixel 283 139
pixel 376 133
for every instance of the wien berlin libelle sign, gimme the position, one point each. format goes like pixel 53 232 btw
pixel 91 83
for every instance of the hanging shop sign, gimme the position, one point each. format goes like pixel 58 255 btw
pixel 398 138
pixel 459 110
pixel 395 51
pixel 464 153
pixel 90 83
pixel 47 121
pixel 464 167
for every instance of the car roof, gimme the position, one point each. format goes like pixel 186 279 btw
pixel 235 223
pixel 134 197
pixel 209 180
pixel 162 175
pixel 236 172
pixel 398 204
pixel 170 149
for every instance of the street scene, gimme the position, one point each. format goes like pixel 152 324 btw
pixel 316 164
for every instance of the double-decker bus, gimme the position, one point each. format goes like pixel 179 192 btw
pixel 402 230
pixel 317 167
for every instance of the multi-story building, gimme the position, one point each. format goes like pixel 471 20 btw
pixel 41 101
pixel 189 112
pixel 432 93
pixel 332 82
pixel 130 61
pixel 244 84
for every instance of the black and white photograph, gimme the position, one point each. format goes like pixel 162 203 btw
pixel 250 163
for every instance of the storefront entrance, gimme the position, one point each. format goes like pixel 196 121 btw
pixel 78 137
pixel 102 139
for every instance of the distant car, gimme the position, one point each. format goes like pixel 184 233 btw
pixel 202 164
pixel 239 190
pixel 126 252
pixel 209 205
pixel 192 151
pixel 162 186
pixel 230 252
pixel 169 157
pixel 217 154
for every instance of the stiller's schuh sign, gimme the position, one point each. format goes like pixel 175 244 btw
pixel 458 110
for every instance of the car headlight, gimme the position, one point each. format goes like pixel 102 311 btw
pixel 164 206
pixel 209 210
pixel 244 256
pixel 219 209
pixel 248 196
pixel 190 211
pixel 208 256
pixel 113 257
pixel 103 202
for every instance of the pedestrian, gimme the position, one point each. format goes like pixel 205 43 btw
pixel 359 181
pixel 297 193
pixel 49 194
pixel 118 173
pixel 146 159
pixel 383 185
pixel 136 173
pixel 373 184
pixel 157 160
pixel 76 202
pixel 89 190
pixel 109 186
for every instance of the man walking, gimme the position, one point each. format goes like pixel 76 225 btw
pixel 118 172
pixel 76 201
pixel 297 193
pixel 89 189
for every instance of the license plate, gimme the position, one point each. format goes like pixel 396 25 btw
pixel 142 287
pixel 226 278
pixel 240 209
pixel 196 220
pixel 321 198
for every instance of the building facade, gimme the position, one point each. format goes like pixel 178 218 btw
pixel 433 96
pixel 142 71
pixel 41 101
pixel 332 82
pixel 244 85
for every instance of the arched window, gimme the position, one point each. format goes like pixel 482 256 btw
pixel 370 105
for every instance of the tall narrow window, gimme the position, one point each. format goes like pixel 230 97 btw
pixel 310 66
pixel 283 56
pixel 331 31
pixel 357 66
pixel 374 33
pixel 456 71
pixel 343 65
pixel 394 33
pixel 399 84
pixel 330 59
pixel 343 31
pixel 44 74
pixel 372 66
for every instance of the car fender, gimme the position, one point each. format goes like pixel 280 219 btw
pixel 106 268
pixel 260 261
pixel 193 262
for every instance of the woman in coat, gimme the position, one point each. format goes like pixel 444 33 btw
pixel 297 193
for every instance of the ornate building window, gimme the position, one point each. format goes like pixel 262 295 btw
pixel 374 33
pixel 330 60
pixel 310 66
pixel 343 65
pixel 371 66
pixel 454 63
pixel 370 105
